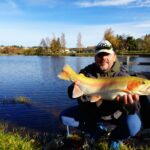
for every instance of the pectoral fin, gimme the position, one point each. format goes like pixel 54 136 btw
pixel 77 92
pixel 126 91
pixel 98 103
pixel 95 98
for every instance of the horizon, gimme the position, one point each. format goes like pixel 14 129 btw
pixel 26 22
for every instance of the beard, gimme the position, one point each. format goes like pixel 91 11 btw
pixel 104 66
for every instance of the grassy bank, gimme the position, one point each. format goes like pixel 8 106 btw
pixel 9 141
pixel 12 140
pixel 31 52
pixel 23 139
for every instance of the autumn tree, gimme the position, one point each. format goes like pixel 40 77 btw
pixel 109 35
pixel 55 46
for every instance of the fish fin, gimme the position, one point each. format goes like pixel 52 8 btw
pixel 126 91
pixel 63 75
pixel 66 73
pixel 98 103
pixel 77 92
pixel 68 69
pixel 95 98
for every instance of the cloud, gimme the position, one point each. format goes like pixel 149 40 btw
pixel 9 7
pixel 131 3
pixel 104 3
pixel 143 3
pixel 145 24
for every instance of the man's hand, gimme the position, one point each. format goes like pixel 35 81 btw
pixel 129 99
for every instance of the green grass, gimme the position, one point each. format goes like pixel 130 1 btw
pixel 9 141
pixel 15 140
pixel 19 139
pixel 22 99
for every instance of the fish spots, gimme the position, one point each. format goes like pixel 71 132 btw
pixel 133 84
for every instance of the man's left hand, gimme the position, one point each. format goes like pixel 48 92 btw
pixel 129 99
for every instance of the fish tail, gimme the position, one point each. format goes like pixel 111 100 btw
pixel 67 73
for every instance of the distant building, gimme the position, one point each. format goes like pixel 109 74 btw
pixel 2 47
pixel 66 50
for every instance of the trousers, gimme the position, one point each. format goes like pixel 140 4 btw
pixel 126 126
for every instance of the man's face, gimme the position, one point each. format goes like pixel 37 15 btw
pixel 105 61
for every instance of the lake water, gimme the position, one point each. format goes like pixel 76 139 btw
pixel 35 77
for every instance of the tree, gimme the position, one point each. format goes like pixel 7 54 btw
pixel 79 42
pixel 130 43
pixel 55 46
pixel 43 43
pixel 48 42
pixel 109 35
pixel 38 51
pixel 58 45
pixel 63 41
pixel 147 41
pixel 140 44
pixel 121 39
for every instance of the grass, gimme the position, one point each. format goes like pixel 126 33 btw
pixel 17 100
pixel 14 141
pixel 22 99
pixel 21 139
pixel 10 141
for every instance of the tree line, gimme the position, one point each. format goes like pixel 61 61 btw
pixel 57 45
pixel 127 42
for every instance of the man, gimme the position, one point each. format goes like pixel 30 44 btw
pixel 91 117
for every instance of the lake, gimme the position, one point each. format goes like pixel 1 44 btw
pixel 35 77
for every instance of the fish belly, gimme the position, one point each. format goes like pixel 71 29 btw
pixel 111 95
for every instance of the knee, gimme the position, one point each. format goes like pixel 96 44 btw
pixel 62 115
pixel 134 124
pixel 68 119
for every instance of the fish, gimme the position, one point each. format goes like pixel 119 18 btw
pixel 105 88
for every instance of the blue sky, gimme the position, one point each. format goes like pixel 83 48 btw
pixel 26 22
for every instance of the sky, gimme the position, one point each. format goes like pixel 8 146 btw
pixel 26 22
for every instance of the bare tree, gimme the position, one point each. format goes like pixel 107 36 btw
pixel 43 43
pixel 63 41
pixel 79 42
pixel 48 42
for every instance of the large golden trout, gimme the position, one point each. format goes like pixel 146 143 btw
pixel 107 88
